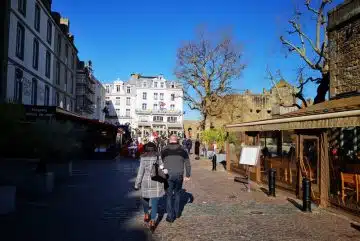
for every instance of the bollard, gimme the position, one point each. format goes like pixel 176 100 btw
pixel 306 185
pixel 272 178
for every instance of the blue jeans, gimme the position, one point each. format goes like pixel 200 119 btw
pixel 174 190
pixel 154 206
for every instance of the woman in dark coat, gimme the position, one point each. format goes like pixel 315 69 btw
pixel 151 191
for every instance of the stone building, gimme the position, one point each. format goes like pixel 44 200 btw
pixel 146 103
pixel 344 48
pixel 238 108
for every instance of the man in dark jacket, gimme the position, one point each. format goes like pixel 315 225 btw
pixel 175 159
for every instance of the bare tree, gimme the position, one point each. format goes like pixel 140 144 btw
pixel 318 57
pixel 298 92
pixel 206 68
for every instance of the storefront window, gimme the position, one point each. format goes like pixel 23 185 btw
pixel 344 156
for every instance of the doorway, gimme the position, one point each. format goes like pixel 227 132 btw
pixel 309 164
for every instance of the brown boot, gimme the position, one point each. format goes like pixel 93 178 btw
pixel 152 226
pixel 146 217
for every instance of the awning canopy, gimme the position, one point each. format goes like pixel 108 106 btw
pixel 329 114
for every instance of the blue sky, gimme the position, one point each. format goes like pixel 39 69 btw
pixel 126 36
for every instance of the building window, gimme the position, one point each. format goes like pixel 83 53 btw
pixel 33 91
pixel 73 61
pixel 172 119
pixel 155 107
pixel 20 41
pixel 71 105
pixel 127 112
pixel 107 88
pixel 118 88
pixel 117 101
pixel 35 54
pixel 172 107
pixel 144 95
pixel 66 79
pixel 144 107
pixel 18 91
pixel 37 18
pixel 47 64
pixel 57 73
pixel 59 45
pixel 22 7
pixel 128 100
pixel 162 84
pixel 158 119
pixel 172 97
pixel 49 31
pixel 161 96
pixel 65 103
pixel 47 95
pixel 172 85
pixel 57 99
pixel 72 84
pixel 128 89
pixel 155 96
pixel 66 51
pixel 117 111
pixel 144 84
pixel 155 84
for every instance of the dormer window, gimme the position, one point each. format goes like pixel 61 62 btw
pixel 144 84
pixel 172 85
pixel 128 89
pixel 155 84
pixel 162 84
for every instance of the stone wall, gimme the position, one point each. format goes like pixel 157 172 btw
pixel 238 108
pixel 344 48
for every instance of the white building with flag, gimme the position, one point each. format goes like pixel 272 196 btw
pixel 157 104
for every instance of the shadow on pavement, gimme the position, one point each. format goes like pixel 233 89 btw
pixel 94 207
pixel 186 198
pixel 295 203
pixel 355 226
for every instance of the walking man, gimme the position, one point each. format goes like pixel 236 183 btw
pixel 175 158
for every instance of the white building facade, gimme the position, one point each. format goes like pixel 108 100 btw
pixel 32 55
pixel 147 103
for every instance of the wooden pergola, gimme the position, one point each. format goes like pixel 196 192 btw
pixel 308 123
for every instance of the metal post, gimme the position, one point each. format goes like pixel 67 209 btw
pixel 272 178
pixel 306 184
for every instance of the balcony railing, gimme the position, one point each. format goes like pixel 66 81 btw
pixel 164 112
pixel 117 116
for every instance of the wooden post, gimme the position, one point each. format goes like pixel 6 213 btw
pixel 298 174
pixel 258 167
pixel 324 170
pixel 228 155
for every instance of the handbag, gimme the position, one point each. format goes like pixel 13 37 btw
pixel 156 173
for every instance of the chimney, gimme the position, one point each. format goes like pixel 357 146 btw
pixel 65 23
pixel 56 16
pixel 135 76
pixel 47 4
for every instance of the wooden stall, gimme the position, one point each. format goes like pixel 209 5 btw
pixel 302 142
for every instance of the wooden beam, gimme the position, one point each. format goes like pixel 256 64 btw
pixel 228 155
pixel 324 170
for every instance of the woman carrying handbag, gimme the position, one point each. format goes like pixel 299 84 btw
pixel 151 179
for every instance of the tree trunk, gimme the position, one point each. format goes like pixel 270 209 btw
pixel 323 88
pixel 203 122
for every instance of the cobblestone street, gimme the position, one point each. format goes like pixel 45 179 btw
pixel 98 203
pixel 223 210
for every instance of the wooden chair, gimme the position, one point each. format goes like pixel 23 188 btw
pixel 349 183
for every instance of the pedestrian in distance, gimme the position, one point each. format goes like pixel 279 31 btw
pixel 197 149
pixel 175 160
pixel 151 191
